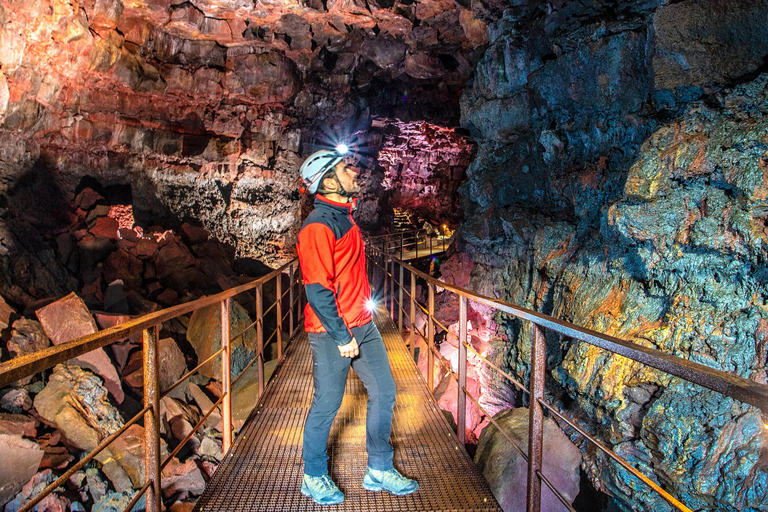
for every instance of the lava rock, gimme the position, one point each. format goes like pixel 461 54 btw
pixel 507 472
pixel 68 319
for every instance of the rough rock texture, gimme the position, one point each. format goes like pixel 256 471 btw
pixel 204 335
pixel 68 319
pixel 21 458
pixel 206 109
pixel 507 472
pixel 620 185
pixel 75 402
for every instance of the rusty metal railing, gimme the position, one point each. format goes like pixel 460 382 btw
pixel 382 270
pixel 149 327
pixel 416 243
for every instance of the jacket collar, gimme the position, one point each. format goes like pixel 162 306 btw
pixel 321 200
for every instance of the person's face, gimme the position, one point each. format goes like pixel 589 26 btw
pixel 347 176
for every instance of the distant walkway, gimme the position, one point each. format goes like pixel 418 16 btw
pixel 263 470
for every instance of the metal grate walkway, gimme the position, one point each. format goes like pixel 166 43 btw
pixel 263 470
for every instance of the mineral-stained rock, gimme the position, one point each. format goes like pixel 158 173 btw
pixel 16 401
pixel 205 336
pixel 68 319
pixel 97 487
pixel 27 337
pixel 20 457
pixel 75 402
pixel 506 470
pixel 117 501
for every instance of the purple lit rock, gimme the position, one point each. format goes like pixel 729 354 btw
pixel 507 472
pixel 68 319
pixel 20 457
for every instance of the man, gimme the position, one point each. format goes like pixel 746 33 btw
pixel 341 332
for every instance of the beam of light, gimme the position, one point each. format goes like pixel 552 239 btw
pixel 370 304
pixel 342 149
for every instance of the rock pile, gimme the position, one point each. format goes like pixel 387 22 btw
pixel 49 420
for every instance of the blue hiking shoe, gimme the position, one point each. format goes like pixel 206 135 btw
pixel 321 489
pixel 391 481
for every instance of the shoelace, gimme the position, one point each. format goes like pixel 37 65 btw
pixel 326 482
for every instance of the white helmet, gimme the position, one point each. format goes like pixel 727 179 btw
pixel 314 168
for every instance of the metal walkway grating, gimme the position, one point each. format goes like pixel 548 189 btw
pixel 263 471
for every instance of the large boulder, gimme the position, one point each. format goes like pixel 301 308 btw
pixel 507 472
pixel 68 319
pixel 21 458
pixel 204 334
pixel 75 402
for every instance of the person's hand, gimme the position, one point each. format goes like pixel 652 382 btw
pixel 350 349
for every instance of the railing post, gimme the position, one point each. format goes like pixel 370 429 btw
pixel 260 336
pixel 401 245
pixel 400 303
pixel 430 244
pixel 536 418
pixel 226 374
pixel 461 408
pixel 279 312
pixel 417 244
pixel 152 419
pixel 290 300
pixel 392 289
pixel 431 340
pixel 413 314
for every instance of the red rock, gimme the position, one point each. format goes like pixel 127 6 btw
pixel 172 365
pixel 169 297
pixel 120 264
pixel 181 506
pixel 128 234
pixel 68 319
pixel 17 425
pixel 206 404
pixel 172 257
pixel 21 458
pixel 105 227
pixel 153 289
pixel 146 248
pixel 184 478
pixel 193 235
pixel 87 198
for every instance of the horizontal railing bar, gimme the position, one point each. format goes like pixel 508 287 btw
pixel 664 494
pixel 270 308
pixel 737 387
pixel 30 364
pixel 191 433
pixel 191 372
pixel 557 493
pixel 85 460
pixel 241 333
pixel 138 495
pixel 502 372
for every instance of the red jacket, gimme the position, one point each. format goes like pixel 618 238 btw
pixel 332 259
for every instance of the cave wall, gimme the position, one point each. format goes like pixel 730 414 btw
pixel 207 108
pixel 620 184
